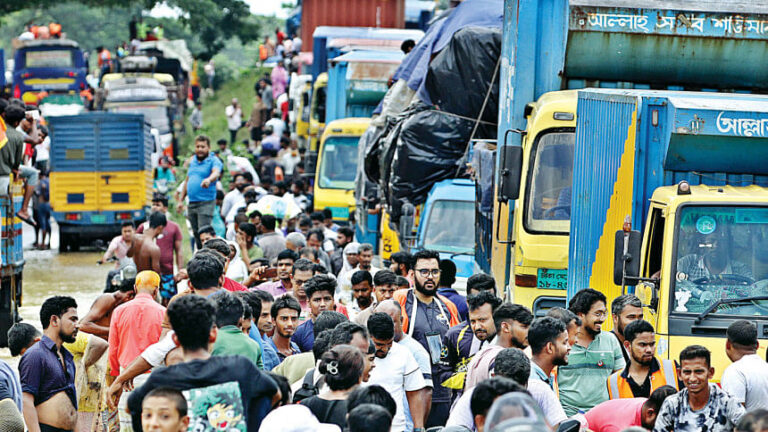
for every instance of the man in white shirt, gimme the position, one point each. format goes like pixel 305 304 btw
pixel 511 363
pixel 397 371
pixel 746 379
pixel 392 308
pixel 234 119
pixel 277 125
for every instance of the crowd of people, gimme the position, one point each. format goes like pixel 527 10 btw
pixel 305 344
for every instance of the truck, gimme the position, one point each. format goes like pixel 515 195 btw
pixel 448 202
pixel 523 241
pixel 382 45
pixel 101 174
pixel 685 169
pixel 336 167
pixel 11 259
pixel 50 65
pixel 144 95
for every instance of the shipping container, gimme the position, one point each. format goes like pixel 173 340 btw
pixel 349 13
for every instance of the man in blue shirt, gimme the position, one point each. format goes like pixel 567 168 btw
pixel 47 370
pixel 264 325
pixel 200 186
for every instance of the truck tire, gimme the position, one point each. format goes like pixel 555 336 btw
pixel 63 241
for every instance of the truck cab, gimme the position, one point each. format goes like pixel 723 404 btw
pixel 51 65
pixel 337 166
pixel 317 112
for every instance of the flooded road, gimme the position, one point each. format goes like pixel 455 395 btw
pixel 48 273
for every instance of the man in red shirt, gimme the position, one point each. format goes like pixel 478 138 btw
pixel 169 243
pixel 222 247
pixel 618 414
pixel 135 325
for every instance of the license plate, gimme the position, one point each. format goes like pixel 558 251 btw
pixel 340 212
pixel 552 279
pixel 98 218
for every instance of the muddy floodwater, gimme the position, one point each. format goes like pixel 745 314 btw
pixel 48 273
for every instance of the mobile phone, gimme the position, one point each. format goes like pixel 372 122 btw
pixel 270 272
pixel 35 114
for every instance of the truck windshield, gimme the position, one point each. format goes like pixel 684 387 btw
pixel 721 254
pixel 338 163
pixel 57 58
pixel 156 116
pixel 318 105
pixel 549 184
pixel 442 232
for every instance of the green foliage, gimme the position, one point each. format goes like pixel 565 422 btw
pixel 208 26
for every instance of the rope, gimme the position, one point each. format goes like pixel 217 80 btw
pixel 482 111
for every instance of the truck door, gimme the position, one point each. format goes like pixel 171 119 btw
pixel 652 258
pixel 122 175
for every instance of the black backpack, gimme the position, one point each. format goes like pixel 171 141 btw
pixel 308 387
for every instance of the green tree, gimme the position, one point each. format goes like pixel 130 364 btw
pixel 207 25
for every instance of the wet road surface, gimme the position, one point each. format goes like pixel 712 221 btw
pixel 48 273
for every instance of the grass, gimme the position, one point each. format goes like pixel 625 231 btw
pixel 215 127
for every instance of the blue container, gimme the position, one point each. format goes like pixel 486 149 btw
pixel 124 143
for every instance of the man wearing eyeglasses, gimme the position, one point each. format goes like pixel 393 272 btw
pixel 595 356
pixel 427 316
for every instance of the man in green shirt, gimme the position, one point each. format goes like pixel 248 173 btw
pixel 230 339
pixel 595 356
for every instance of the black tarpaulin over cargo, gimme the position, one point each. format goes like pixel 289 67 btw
pixel 429 147
pixel 459 77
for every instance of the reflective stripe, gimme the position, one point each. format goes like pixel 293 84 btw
pixel 669 371
pixel 613 386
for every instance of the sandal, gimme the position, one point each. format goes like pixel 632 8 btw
pixel 27 220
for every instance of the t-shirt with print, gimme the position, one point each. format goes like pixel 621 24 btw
pixel 430 319
pixel 255 387
pixel 746 380
pixel 582 382
pixel 398 373
pixel 721 413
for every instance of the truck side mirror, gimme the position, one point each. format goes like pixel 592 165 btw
pixel 626 257
pixel 510 172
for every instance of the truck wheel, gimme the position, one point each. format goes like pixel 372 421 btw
pixel 63 241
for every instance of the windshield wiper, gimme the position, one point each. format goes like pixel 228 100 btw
pixel 723 301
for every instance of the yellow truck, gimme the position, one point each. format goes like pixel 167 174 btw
pixel 337 167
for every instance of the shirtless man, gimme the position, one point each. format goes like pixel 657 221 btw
pixel 47 370
pixel 96 321
pixel 144 251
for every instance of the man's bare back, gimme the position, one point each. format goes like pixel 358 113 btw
pixel 96 321
pixel 146 254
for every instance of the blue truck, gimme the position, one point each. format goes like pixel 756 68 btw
pixel 687 169
pixel 50 65
pixel 675 149
pixel 101 174
pixel 446 225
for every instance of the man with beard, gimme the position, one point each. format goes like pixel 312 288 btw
pixel 644 373
pixel 362 293
pixel 550 348
pixel 200 186
pixel 285 314
pixel 384 287
pixel 624 310
pixel 511 322
pixel 47 370
pixel 427 318
pixel 463 341
pixel 398 372
pixel 594 357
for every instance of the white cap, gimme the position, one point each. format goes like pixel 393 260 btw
pixel 294 418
